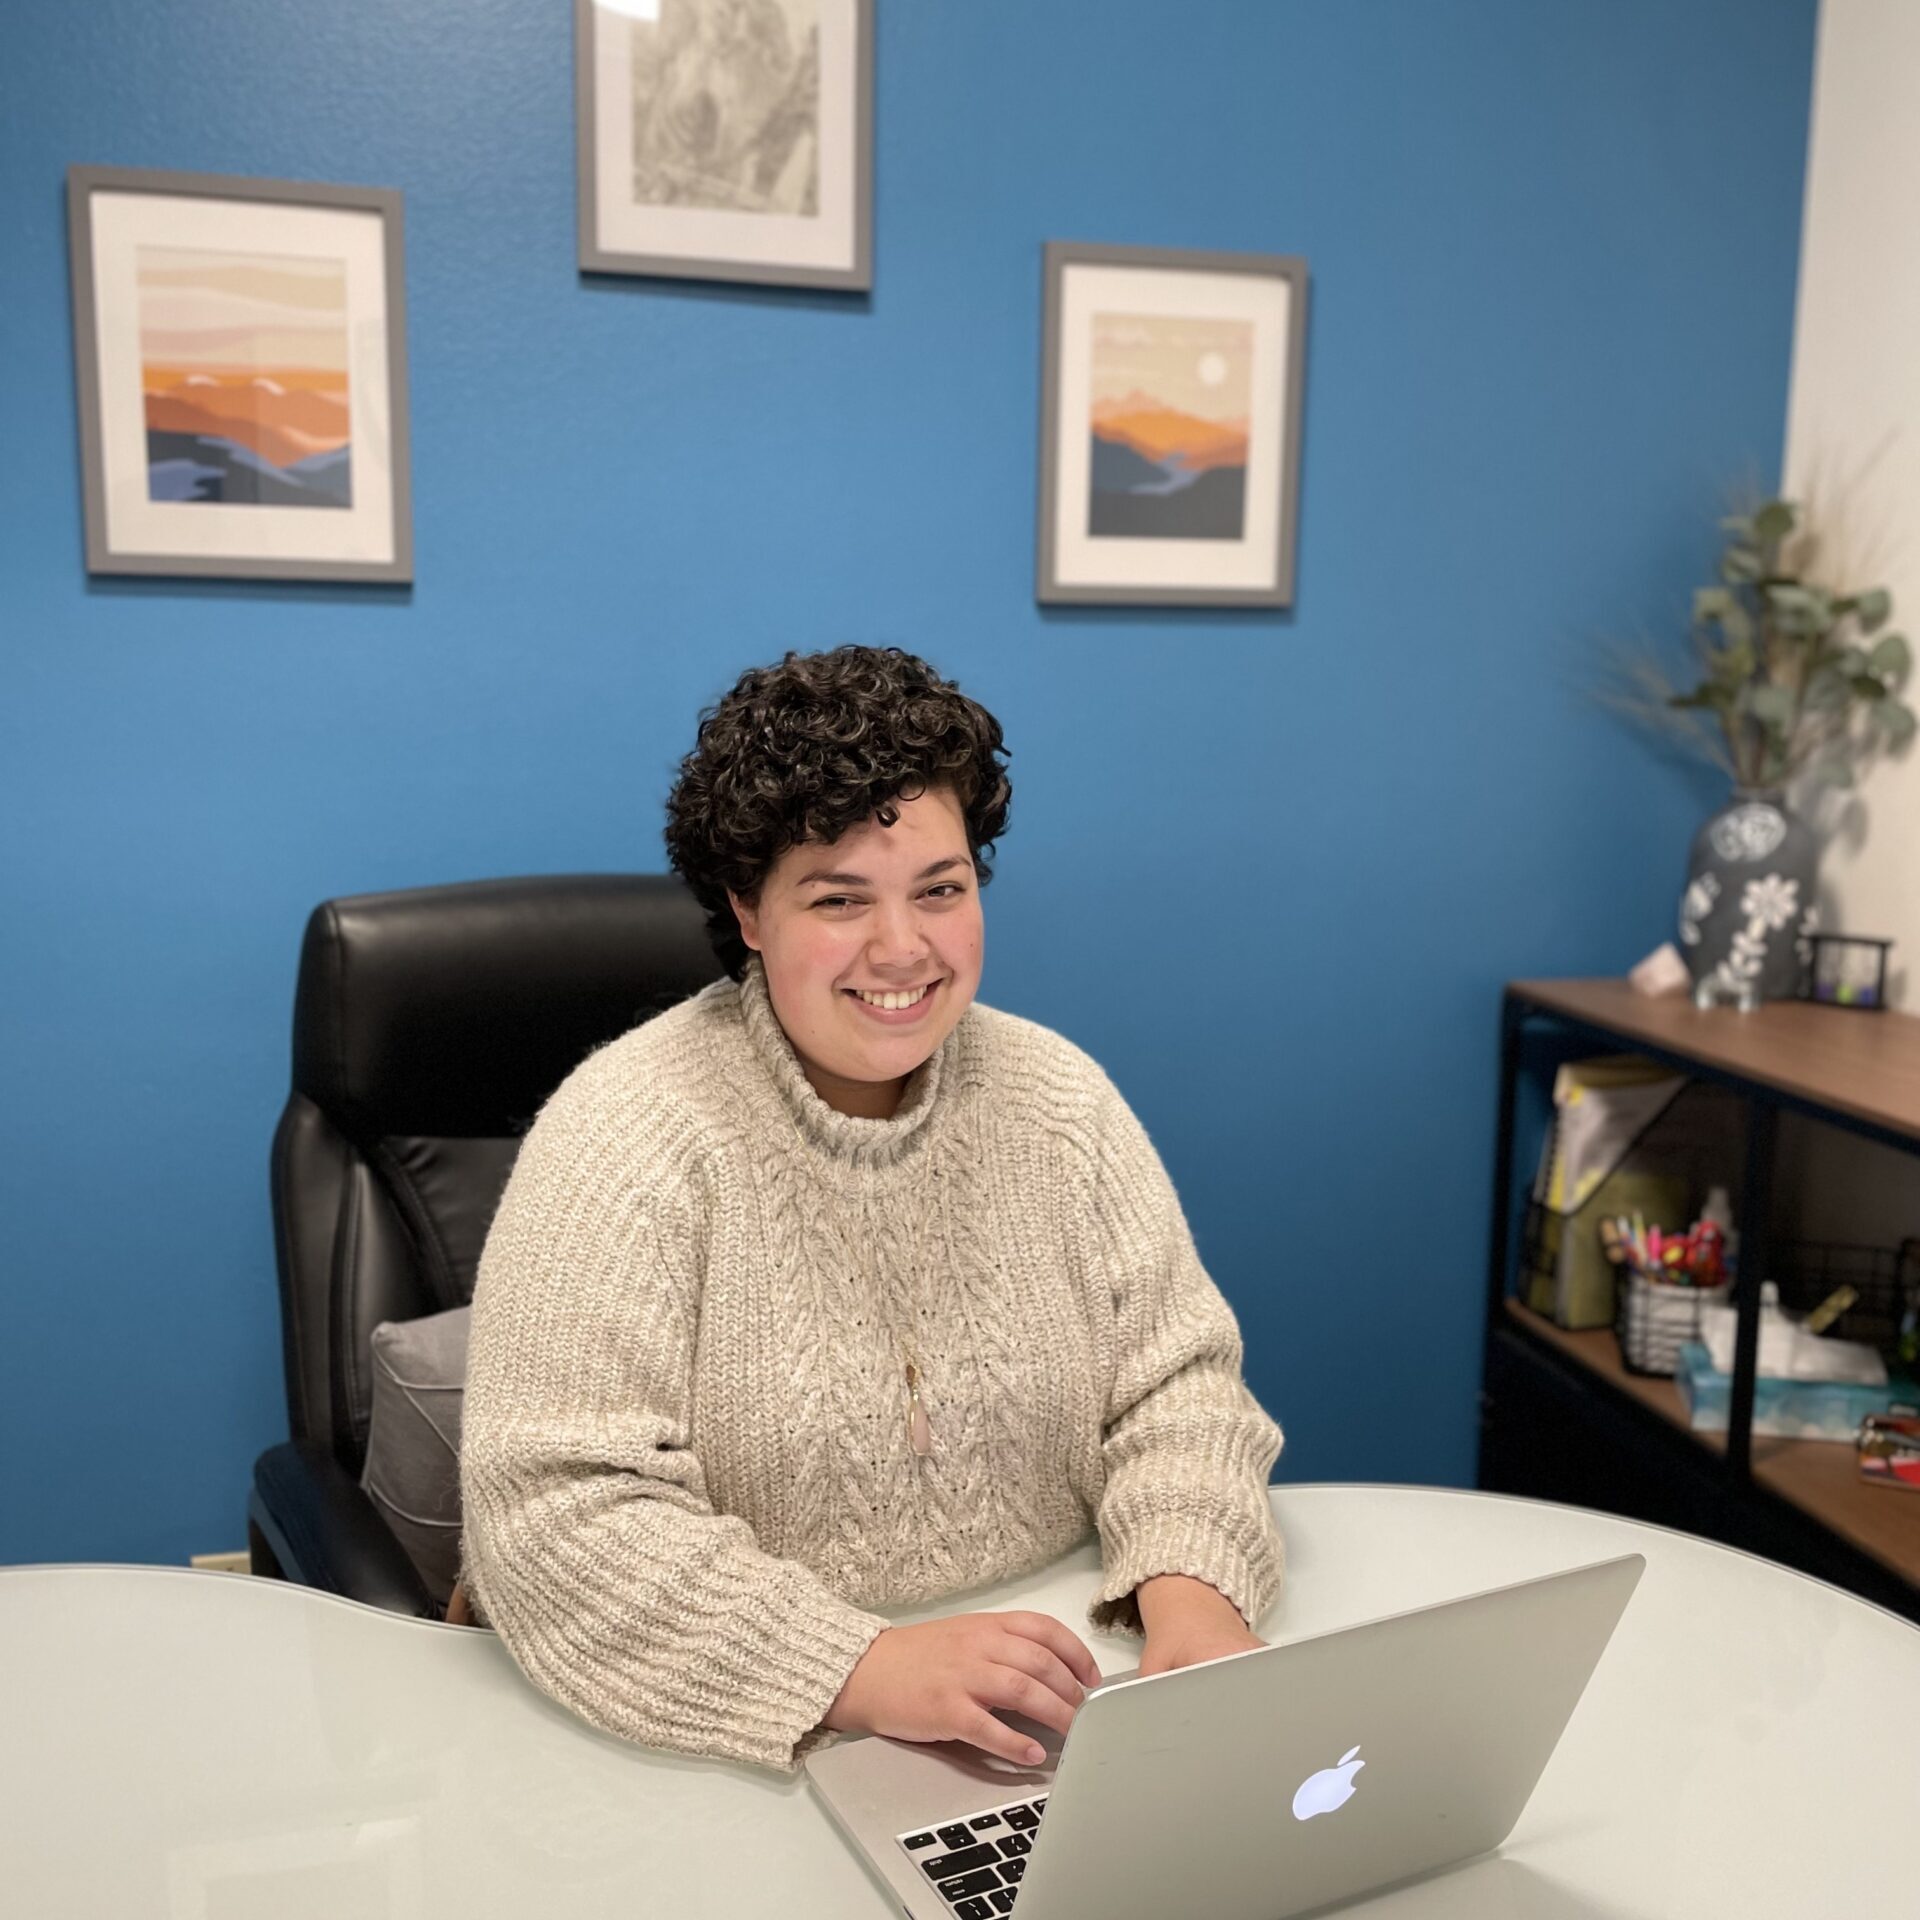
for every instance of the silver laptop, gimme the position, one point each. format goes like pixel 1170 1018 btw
pixel 1257 1787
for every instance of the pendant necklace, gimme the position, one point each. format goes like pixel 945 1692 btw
pixel 919 1427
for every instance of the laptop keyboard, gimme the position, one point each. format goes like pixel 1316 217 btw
pixel 976 1864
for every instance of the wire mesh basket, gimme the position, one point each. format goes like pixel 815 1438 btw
pixel 1887 1280
pixel 1655 1321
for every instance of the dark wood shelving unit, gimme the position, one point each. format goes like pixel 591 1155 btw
pixel 1561 1415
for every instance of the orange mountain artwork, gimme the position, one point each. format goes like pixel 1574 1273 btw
pixel 1170 402
pixel 243 372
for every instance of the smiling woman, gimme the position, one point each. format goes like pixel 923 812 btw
pixel 869 972
pixel 853 868
pixel 833 1289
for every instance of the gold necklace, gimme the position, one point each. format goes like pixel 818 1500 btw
pixel 919 1427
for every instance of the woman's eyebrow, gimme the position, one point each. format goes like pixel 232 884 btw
pixel 861 880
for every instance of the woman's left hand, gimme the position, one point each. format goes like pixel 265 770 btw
pixel 1186 1622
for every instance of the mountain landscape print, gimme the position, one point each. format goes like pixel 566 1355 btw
pixel 243 371
pixel 1171 396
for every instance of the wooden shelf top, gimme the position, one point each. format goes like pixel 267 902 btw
pixel 1820 1477
pixel 1865 1065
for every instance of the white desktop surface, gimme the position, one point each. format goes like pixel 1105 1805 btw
pixel 207 1747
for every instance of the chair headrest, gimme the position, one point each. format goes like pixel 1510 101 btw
pixel 456 1011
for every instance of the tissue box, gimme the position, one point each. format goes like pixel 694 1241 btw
pixel 1789 1409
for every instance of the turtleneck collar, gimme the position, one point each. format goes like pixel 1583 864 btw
pixel 847 1139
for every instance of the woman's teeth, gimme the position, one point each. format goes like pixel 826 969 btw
pixel 893 1002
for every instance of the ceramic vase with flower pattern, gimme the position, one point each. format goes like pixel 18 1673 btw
pixel 1748 909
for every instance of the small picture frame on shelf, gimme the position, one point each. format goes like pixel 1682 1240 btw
pixel 1848 970
pixel 241 361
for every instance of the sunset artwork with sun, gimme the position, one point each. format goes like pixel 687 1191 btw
pixel 243 374
pixel 1171 396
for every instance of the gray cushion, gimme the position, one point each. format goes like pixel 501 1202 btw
pixel 413 1442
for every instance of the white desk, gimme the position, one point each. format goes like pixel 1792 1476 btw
pixel 210 1748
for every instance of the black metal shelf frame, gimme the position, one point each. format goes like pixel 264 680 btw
pixel 1763 1107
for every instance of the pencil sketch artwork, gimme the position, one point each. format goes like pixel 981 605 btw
pixel 726 105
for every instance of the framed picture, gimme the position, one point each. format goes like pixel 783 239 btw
pixel 1170 427
pixel 727 139
pixel 240 350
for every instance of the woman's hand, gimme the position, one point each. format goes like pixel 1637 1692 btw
pixel 1187 1621
pixel 943 1680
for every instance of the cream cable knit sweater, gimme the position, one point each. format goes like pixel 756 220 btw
pixel 685 1462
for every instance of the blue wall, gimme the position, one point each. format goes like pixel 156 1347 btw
pixel 1271 870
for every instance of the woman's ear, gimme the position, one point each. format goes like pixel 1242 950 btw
pixel 748 917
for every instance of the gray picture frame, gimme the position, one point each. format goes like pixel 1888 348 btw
pixel 83 183
pixel 1060 256
pixel 594 258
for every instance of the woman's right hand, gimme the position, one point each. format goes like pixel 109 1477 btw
pixel 943 1681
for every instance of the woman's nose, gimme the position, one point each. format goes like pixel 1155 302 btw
pixel 897 939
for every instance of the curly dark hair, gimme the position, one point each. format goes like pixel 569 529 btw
pixel 801 752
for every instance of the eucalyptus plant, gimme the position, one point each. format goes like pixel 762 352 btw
pixel 1794 677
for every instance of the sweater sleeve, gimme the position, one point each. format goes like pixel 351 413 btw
pixel 1187 1450
pixel 590 1544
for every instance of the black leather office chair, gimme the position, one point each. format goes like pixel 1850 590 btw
pixel 429 1028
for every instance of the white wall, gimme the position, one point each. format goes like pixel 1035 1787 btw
pixel 1853 418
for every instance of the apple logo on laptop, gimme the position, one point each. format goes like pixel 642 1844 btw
pixel 1328 1790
